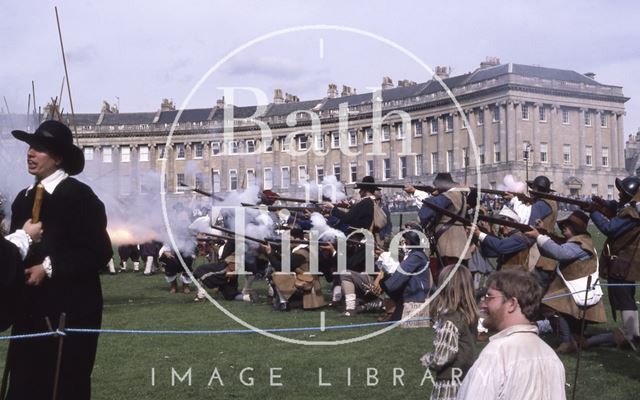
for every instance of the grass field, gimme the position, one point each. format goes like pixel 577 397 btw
pixel 135 366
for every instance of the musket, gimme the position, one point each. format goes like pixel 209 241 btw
pixel 491 220
pixel 496 221
pixel 523 197
pixel 424 188
pixel 315 207
pixel 202 192
pixel 597 204
pixel 272 196
pixel 230 232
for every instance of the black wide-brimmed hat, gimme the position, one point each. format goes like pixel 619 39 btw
pixel 368 184
pixel 577 221
pixel 55 137
pixel 444 181
pixel 542 183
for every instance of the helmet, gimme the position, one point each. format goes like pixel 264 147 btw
pixel 542 183
pixel 628 185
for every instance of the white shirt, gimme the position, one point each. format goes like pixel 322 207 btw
pixel 522 209
pixel 50 182
pixel 516 364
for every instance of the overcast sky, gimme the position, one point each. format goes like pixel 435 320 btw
pixel 138 52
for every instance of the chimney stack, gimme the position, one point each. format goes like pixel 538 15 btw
pixel 291 98
pixel 590 75
pixel 443 71
pixel 277 96
pixel 220 102
pixel 490 62
pixel 346 91
pixel 387 83
pixel 167 105
pixel 332 92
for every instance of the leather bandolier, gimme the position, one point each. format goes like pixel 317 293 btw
pixel 625 246
pixel 574 270
pixel 517 260
pixel 451 237
pixel 549 224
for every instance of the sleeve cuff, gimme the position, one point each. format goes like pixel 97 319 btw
pixel 542 239
pixel 482 236
pixel 21 240
pixel 48 268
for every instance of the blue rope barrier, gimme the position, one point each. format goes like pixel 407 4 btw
pixel 210 332
pixel 32 335
pixel 270 330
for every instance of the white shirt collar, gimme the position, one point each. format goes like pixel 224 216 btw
pixel 51 182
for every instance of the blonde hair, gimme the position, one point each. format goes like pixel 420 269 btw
pixel 457 295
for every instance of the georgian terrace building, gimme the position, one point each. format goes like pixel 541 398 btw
pixel 568 125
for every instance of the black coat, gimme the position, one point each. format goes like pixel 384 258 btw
pixel 359 215
pixel 9 282
pixel 76 240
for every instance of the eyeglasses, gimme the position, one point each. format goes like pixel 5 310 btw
pixel 486 297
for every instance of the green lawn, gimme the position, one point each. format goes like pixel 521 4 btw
pixel 126 363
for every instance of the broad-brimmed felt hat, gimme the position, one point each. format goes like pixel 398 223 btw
pixel 56 138
pixel 577 221
pixel 444 181
pixel 542 183
pixel 368 184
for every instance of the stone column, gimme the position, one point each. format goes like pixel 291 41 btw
pixel 581 139
pixel 442 149
pixel 556 143
pixel 620 162
pixel 597 146
pixel 502 131
pixel 514 110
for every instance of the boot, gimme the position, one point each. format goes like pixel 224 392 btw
pixel 566 348
pixel 621 340
pixel 174 287
pixel 185 288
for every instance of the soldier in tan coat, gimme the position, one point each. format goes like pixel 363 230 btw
pixel 298 280
pixel 577 259
pixel 451 236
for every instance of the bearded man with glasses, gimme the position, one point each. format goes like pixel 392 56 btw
pixel 516 364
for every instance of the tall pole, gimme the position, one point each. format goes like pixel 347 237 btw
pixel 66 73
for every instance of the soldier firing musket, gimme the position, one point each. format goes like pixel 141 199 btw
pixel 596 204
pixel 450 238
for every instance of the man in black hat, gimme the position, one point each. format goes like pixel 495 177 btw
pixel 64 277
pixel 621 258
pixel 542 213
pixel 361 214
pixel 451 237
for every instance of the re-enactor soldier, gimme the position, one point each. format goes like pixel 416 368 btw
pixel 62 274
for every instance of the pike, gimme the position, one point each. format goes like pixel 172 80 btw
pixel 597 203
